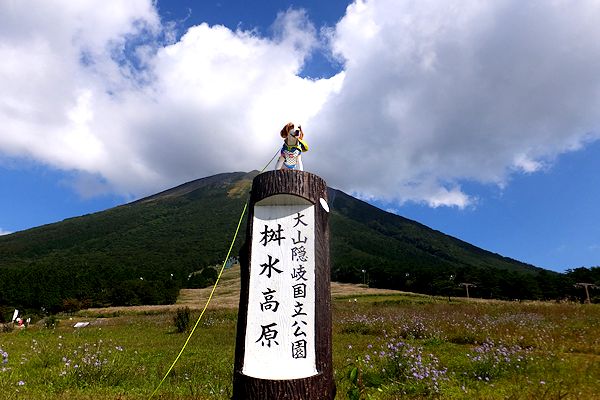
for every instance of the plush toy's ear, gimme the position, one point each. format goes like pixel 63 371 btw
pixel 286 129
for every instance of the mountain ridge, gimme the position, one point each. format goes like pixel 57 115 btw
pixel 419 225
pixel 145 250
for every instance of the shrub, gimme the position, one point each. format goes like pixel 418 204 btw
pixel 50 322
pixel 182 319
pixel 71 305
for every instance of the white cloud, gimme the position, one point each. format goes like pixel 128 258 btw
pixel 436 93
pixel 59 59
pixel 3 232
pixel 212 102
pixel 431 94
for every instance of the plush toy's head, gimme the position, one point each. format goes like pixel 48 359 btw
pixel 290 134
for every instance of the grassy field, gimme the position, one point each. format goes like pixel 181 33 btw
pixel 387 345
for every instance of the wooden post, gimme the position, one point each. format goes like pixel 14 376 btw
pixel 283 344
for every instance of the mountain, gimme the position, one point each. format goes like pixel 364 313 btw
pixel 144 251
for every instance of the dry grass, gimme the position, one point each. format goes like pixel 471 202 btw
pixel 240 188
pixel 227 296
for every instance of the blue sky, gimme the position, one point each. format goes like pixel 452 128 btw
pixel 478 120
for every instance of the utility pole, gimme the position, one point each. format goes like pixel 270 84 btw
pixel 586 286
pixel 466 286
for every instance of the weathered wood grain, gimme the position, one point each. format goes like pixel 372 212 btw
pixel 320 386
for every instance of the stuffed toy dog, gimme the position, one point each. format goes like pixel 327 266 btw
pixel 293 147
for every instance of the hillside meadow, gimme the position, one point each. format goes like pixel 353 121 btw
pixel 387 345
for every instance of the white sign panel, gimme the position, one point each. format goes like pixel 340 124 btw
pixel 280 330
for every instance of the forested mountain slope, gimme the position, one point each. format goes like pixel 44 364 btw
pixel 144 251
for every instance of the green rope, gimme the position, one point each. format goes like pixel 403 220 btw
pixel 212 291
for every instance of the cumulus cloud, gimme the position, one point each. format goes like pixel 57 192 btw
pixel 430 94
pixel 60 60
pixel 80 95
pixel 439 93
